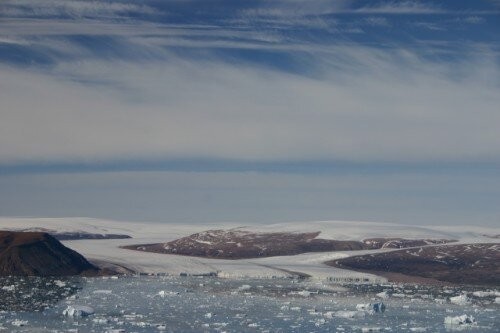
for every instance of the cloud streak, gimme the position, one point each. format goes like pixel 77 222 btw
pixel 185 109
pixel 242 87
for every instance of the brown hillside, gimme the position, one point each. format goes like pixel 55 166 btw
pixel 39 254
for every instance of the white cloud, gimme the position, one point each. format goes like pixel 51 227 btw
pixel 71 8
pixel 474 19
pixel 371 105
pixel 401 7
pixel 377 21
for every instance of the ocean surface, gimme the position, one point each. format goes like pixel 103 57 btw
pixel 211 304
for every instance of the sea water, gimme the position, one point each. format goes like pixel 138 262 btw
pixel 211 304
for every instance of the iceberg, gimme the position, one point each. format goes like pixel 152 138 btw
pixel 371 307
pixel 460 320
pixel 383 295
pixel 19 323
pixel 347 314
pixel 78 311
pixel 460 300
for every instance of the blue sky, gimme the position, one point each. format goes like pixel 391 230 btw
pixel 251 111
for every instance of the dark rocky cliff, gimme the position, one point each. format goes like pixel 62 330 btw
pixel 39 254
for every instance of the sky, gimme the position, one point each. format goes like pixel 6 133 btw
pixel 199 111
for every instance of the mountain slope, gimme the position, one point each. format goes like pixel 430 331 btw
pixel 39 254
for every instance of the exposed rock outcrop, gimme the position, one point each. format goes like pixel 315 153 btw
pixel 477 264
pixel 239 244
pixel 39 254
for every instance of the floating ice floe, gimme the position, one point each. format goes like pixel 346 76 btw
pixel 19 323
pixel 244 287
pixel 371 307
pixel 163 293
pixel 418 329
pixel 460 321
pixel 102 291
pixel 383 295
pixel 100 321
pixel 78 311
pixel 60 283
pixel 345 314
pixel 497 300
pixel 460 300
pixel 371 329
pixel 486 293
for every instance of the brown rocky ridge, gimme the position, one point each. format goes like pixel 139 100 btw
pixel 240 244
pixel 39 254
pixel 474 264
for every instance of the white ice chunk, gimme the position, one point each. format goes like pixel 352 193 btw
pixel 304 293
pixel 107 292
pixel 163 293
pixel 463 320
pixel 60 283
pixel 371 307
pixel 383 295
pixel 245 287
pixel 78 311
pixel 19 323
pixel 460 300
pixel 486 293
pixel 349 314
pixel 363 307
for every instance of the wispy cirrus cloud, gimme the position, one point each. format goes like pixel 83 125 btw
pixel 402 7
pixel 244 87
pixel 185 109
pixel 72 8
pixel 305 108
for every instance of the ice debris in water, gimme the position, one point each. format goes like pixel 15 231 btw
pixel 345 314
pixel 244 287
pixel 463 320
pixel 460 300
pixel 78 311
pixel 19 322
pixel 103 291
pixel 371 307
pixel 371 329
pixel 60 283
pixel 486 293
pixel 383 295
pixel 163 293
